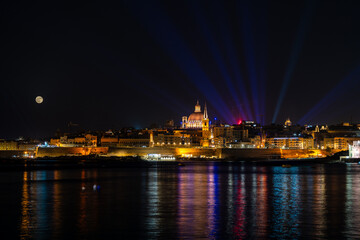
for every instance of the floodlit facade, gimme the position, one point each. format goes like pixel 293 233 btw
pixel 290 143
pixel 339 143
pixel 109 141
pixel 64 141
pixel 133 142
pixel 8 145
pixel 195 120
pixel 172 140
pixel 226 134
pixel 288 123
pixel 354 150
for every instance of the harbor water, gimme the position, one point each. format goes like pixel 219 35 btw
pixel 209 200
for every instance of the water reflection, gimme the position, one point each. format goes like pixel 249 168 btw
pixel 352 202
pixel 27 224
pixel 208 200
pixel 240 206
pixel 285 203
pixel 152 218
pixel 194 202
pixel 262 205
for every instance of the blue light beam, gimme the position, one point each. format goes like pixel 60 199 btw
pixel 161 29
pixel 209 39
pixel 250 55
pixel 230 52
pixel 294 56
pixel 331 97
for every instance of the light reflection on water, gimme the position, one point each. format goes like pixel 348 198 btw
pixel 203 200
pixel 286 191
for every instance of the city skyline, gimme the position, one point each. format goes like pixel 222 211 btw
pixel 192 119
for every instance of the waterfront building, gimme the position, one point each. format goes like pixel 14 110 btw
pixel 339 143
pixel 8 145
pixel 109 141
pixel 258 141
pixel 88 140
pixel 28 146
pixel 225 134
pixel 290 143
pixel 354 150
pixel 80 141
pixel 219 142
pixel 241 145
pixel 55 142
pixel 133 142
pixel 177 139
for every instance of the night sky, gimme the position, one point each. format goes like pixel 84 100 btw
pixel 134 63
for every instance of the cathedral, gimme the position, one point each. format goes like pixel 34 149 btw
pixel 196 119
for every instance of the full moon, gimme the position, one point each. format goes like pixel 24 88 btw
pixel 39 99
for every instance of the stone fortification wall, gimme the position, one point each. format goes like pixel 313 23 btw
pixel 139 151
pixel 179 152
pixel 70 151
pixel 236 153
pixel 306 153
pixel 197 152
pixel 229 153
pixel 274 153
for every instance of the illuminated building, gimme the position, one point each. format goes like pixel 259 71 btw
pixel 354 150
pixel 109 141
pixel 206 134
pixel 8 145
pixel 290 143
pixel 55 142
pixel 28 146
pixel 258 141
pixel 288 123
pixel 133 142
pixel 79 141
pixel 242 145
pixel 339 143
pixel 225 134
pixel 177 139
pixel 195 120
pixel 317 129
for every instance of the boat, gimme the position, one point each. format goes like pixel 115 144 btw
pixel 159 157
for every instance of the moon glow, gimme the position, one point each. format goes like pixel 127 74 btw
pixel 39 99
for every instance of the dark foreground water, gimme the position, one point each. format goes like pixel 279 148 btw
pixel 199 200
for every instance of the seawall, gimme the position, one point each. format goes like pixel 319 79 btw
pixel 228 153
pixel 70 151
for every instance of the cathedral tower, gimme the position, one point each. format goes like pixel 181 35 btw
pixel 197 107
pixel 205 128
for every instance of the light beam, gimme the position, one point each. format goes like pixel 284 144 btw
pixel 294 56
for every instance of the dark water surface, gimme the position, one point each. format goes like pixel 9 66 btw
pixel 198 200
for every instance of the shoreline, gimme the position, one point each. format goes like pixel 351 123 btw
pixel 79 162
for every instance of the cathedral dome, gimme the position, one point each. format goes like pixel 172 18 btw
pixel 196 116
